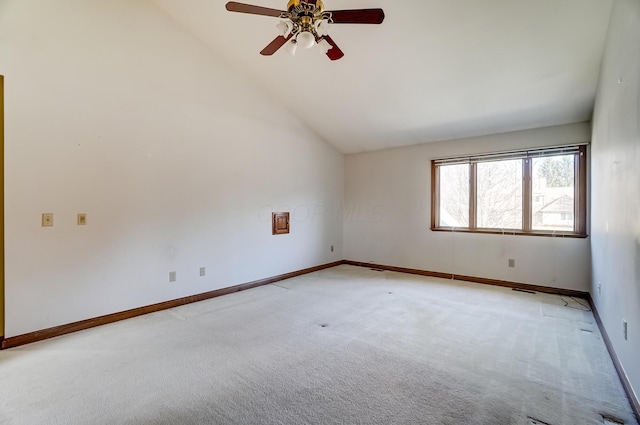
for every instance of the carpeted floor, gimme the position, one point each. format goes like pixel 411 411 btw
pixel 346 345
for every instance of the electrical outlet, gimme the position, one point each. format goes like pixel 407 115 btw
pixel 624 329
pixel 47 219
pixel 82 219
pixel 202 271
pixel 172 276
pixel 512 262
pixel 331 248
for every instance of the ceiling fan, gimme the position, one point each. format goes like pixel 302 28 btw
pixel 305 23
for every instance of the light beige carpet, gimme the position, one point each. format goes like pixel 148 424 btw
pixel 346 345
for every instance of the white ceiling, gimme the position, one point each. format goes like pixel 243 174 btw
pixel 434 70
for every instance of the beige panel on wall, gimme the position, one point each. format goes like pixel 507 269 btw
pixel 1 206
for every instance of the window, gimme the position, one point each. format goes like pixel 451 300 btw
pixel 535 192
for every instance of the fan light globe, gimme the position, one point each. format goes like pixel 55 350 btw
pixel 322 27
pixel 285 28
pixel 291 47
pixel 305 40
pixel 324 45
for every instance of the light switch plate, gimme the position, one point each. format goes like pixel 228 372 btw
pixel 82 219
pixel 47 219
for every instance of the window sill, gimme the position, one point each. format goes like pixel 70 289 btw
pixel 512 232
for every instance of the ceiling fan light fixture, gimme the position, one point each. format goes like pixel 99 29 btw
pixel 291 47
pixel 285 28
pixel 322 27
pixel 306 22
pixel 324 45
pixel 305 39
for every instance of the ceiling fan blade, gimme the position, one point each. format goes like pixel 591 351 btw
pixel 334 52
pixel 233 6
pixel 275 45
pixel 358 16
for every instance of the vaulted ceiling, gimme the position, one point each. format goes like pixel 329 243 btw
pixel 433 70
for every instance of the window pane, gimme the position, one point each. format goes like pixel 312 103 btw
pixel 553 193
pixel 454 195
pixel 499 194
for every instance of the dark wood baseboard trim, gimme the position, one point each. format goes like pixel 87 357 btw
pixel 633 398
pixel 524 286
pixel 485 281
pixel 398 269
pixel 30 337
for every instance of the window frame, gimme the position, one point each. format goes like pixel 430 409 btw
pixel 527 156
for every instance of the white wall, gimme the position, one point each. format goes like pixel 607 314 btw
pixel 388 215
pixel 113 110
pixel 615 202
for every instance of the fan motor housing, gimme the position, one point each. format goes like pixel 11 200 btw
pixel 295 3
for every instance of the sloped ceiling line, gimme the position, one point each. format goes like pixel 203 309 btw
pixel 433 70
